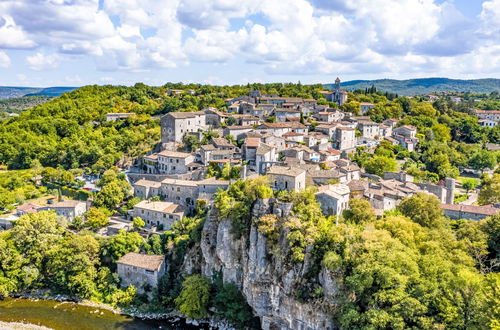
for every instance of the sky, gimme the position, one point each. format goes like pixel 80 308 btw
pixel 78 42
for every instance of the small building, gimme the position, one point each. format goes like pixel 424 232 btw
pixel 146 189
pixel 334 198
pixel 27 208
pixel 118 116
pixel 175 125
pixel 364 107
pixel 470 212
pixel 345 138
pixel 140 270
pixel 69 209
pixel 369 129
pixel 287 178
pixel 156 213
pixel 174 162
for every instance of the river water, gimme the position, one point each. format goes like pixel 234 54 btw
pixel 68 316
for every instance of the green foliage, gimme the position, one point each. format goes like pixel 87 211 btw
pixel 119 245
pixel 96 218
pixel 231 305
pixel 469 184
pixel 194 297
pixel 39 253
pixel 138 223
pixel 424 209
pixel 71 130
pixel 360 212
pixel 483 159
pixel 237 201
pixel 17 187
pixel 490 190
pixel 380 164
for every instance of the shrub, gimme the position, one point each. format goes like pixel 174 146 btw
pixel 194 297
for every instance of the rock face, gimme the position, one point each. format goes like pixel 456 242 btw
pixel 268 282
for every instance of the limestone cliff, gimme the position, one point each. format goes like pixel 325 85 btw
pixel 269 282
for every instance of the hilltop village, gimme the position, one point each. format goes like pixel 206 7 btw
pixel 295 142
pixel 260 206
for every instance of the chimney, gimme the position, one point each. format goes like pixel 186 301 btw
pixel 244 172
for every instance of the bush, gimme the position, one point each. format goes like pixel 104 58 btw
pixel 194 297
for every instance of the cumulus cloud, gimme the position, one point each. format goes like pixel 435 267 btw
pixel 41 61
pixel 284 37
pixel 4 60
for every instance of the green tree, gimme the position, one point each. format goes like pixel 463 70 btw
pixel 483 159
pixel 379 164
pixel 96 218
pixel 138 223
pixel 194 297
pixel 360 212
pixel 469 184
pixel 110 196
pixel 424 209
pixel 490 190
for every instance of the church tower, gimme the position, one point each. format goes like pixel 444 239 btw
pixel 337 83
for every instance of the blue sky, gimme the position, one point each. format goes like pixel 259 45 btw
pixel 78 42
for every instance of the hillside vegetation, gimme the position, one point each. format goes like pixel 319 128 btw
pixel 424 85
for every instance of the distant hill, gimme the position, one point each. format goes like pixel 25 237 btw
pixel 8 92
pixel 424 85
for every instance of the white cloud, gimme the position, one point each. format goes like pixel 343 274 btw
pixel 41 61
pixel 385 37
pixel 4 60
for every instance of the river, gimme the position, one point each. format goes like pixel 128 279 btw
pixel 68 315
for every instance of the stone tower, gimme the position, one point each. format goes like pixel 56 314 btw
pixel 449 184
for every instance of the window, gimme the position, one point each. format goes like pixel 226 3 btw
pixel 149 272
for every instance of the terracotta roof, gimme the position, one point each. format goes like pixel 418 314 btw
pixel 285 170
pixel 488 111
pixel 366 103
pixel 484 210
pixel 67 203
pixel 148 183
pixel 252 142
pixel 291 124
pixel 28 208
pixel 177 182
pixel 293 134
pixel 238 127
pixel 222 142
pixel 185 115
pixel 174 154
pixel 158 206
pixel 145 261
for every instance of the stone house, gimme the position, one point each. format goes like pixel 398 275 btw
pixel 145 189
pixel 369 129
pixel 364 107
pixel 27 208
pixel 329 116
pixel 249 149
pixel 175 125
pixel 287 114
pixel 174 162
pixel 237 132
pixel 391 122
pixel 345 138
pixel 158 213
pixel 140 270
pixel 327 129
pixel 69 209
pixel 334 198
pixel 469 212
pixel 118 116
pixel 322 177
pixel 287 178
pixel 265 156
pixel 208 188
pixel 407 131
pixel 182 192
